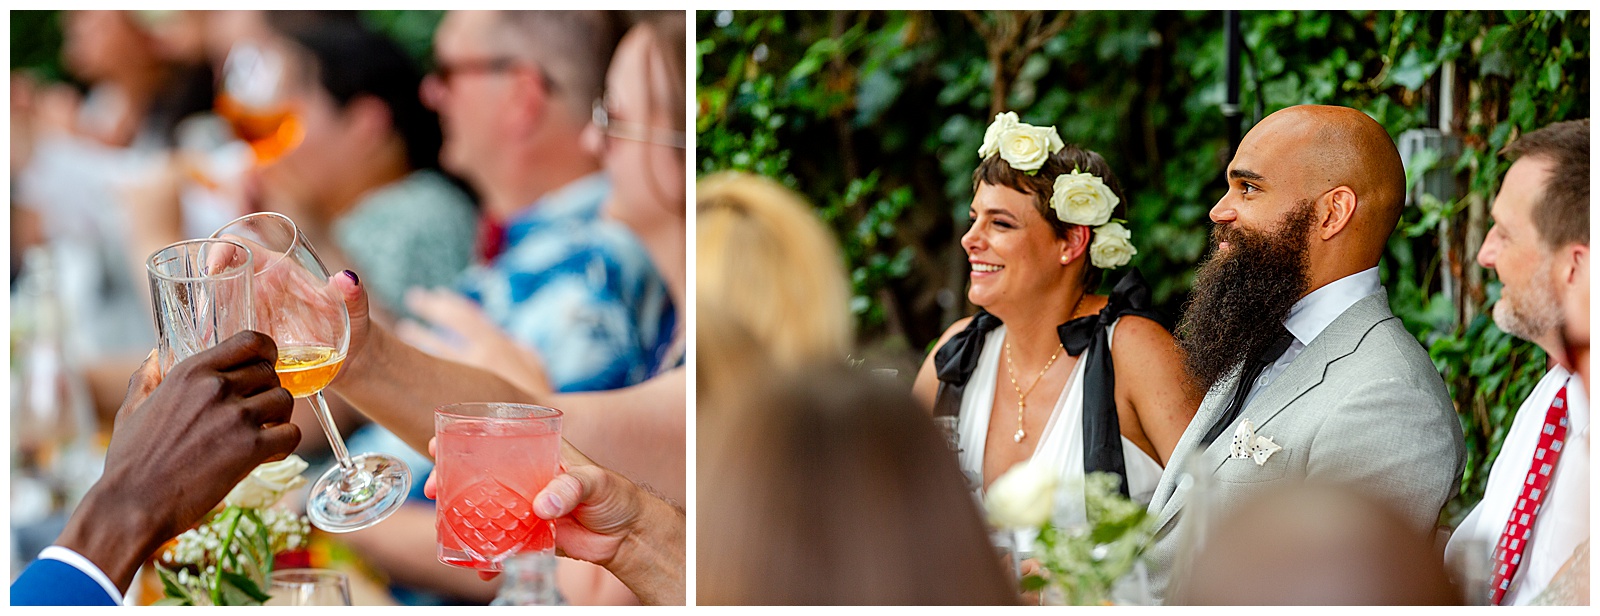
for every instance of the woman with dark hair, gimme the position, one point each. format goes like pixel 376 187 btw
pixel 366 174
pixel 1032 376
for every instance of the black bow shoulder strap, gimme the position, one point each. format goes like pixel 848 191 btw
pixel 1102 433
pixel 956 360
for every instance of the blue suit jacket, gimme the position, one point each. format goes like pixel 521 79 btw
pixel 51 582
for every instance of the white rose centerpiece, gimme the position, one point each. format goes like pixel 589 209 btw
pixel 1024 497
pixel 228 557
pixel 267 483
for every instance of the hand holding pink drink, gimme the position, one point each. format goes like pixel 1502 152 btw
pixel 492 460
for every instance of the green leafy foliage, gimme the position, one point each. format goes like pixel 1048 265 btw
pixel 413 30
pixel 877 117
pixel 36 43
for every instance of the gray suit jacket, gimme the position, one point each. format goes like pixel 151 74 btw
pixel 1361 405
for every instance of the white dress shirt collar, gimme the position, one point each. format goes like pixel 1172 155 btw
pixel 1312 314
pixel 1318 309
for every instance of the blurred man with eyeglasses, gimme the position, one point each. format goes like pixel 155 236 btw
pixel 515 91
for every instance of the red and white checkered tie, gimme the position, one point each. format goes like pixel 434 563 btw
pixel 1514 541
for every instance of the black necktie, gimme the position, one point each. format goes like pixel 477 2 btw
pixel 1252 371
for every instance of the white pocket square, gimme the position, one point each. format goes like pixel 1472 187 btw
pixel 1247 445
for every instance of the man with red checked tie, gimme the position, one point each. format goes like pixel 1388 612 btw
pixel 1535 509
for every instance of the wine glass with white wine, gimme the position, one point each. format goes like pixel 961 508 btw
pixel 298 306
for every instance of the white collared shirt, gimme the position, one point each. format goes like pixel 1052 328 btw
pixel 1563 521
pixel 1312 314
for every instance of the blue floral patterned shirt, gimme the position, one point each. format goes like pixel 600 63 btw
pixel 579 289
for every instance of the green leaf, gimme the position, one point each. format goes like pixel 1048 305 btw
pixel 1552 76
pixel 171 587
pixel 240 590
pixel 1412 72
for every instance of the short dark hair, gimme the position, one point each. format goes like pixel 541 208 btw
pixel 995 171
pixel 352 60
pixel 1561 213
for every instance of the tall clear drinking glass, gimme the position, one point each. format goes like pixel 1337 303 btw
pixel 201 293
pixel 298 306
pixel 493 458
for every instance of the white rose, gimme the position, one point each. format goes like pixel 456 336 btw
pixel 1055 140
pixel 1026 147
pixel 1083 199
pixel 267 483
pixel 991 137
pixel 1111 248
pixel 1021 498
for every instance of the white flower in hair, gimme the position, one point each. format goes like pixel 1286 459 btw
pixel 1023 146
pixel 1111 247
pixel 991 137
pixel 1026 147
pixel 1055 140
pixel 1083 199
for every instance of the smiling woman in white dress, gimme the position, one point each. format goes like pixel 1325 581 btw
pixel 1033 374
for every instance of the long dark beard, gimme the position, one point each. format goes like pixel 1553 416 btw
pixel 1241 297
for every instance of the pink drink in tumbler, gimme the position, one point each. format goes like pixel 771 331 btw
pixel 492 459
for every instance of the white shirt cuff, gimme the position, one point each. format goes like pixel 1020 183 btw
pixel 56 552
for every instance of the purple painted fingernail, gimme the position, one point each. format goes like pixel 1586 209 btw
pixel 353 277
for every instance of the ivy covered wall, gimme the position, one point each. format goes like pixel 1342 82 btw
pixel 877 116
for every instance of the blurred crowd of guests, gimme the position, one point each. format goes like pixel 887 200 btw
pixel 476 198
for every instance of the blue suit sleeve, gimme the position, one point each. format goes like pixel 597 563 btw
pixel 52 582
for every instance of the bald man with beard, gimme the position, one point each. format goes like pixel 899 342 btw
pixel 1308 374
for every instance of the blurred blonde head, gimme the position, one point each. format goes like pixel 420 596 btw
pixel 769 269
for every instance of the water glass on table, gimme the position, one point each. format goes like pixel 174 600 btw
pixel 308 587
pixel 492 460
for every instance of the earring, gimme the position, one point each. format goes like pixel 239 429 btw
pixel 1064 259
